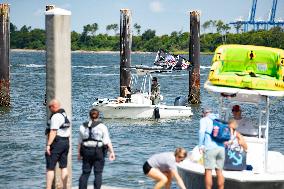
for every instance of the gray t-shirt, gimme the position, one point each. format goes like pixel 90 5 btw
pixel 164 161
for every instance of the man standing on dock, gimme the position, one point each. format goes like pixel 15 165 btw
pixel 57 147
pixel 214 152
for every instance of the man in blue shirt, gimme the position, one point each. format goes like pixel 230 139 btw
pixel 214 152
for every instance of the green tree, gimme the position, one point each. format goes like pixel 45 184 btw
pixel 206 25
pixel 13 27
pixel 137 28
pixel 108 28
pixel 225 30
pixel 113 27
pixel 94 28
pixel 238 26
pixel 219 26
pixel 148 34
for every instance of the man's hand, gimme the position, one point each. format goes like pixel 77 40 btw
pixel 111 156
pixel 48 150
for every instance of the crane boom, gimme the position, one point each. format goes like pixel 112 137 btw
pixel 273 12
pixel 252 12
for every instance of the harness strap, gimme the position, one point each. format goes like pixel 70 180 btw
pixel 94 124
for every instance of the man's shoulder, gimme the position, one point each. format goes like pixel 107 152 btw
pixel 57 115
pixel 207 118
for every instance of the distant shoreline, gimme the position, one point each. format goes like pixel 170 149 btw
pixel 82 51
pixel 106 52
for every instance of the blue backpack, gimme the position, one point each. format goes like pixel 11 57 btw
pixel 221 131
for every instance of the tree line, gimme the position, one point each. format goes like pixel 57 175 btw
pixel 214 34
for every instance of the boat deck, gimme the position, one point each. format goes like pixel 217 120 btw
pixel 240 176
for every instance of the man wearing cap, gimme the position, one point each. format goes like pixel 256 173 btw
pixel 246 126
pixel 155 91
pixel 214 152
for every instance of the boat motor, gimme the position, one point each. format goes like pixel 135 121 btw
pixel 180 101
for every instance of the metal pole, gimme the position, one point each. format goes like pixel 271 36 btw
pixel 194 58
pixel 4 55
pixel 125 48
pixel 266 133
pixel 58 69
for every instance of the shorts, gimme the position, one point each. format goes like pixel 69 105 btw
pixel 146 168
pixel 214 158
pixel 59 152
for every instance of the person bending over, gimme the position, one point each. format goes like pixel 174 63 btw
pixel 162 168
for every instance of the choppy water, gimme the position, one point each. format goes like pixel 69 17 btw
pixel 22 141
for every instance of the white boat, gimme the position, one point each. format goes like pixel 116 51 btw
pixel 140 105
pixel 267 166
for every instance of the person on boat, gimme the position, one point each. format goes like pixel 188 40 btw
pixel 94 142
pixel 246 126
pixel 237 140
pixel 162 168
pixel 57 147
pixel 214 152
pixel 126 95
pixel 155 91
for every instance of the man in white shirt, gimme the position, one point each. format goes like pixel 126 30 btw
pixel 57 148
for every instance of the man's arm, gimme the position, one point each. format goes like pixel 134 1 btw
pixel 202 130
pixel 79 157
pixel 51 137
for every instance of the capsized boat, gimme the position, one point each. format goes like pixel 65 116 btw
pixel 140 105
pixel 249 67
pixel 267 166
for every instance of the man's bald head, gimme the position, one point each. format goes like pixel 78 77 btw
pixel 54 105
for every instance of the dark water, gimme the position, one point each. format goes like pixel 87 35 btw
pixel 22 141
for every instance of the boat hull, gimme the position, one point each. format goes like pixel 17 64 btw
pixel 196 181
pixel 136 111
pixel 193 172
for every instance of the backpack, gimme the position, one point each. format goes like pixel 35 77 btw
pixel 221 131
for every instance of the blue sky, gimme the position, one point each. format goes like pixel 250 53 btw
pixel 163 16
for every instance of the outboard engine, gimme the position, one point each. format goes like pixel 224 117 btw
pixel 181 101
pixel 157 113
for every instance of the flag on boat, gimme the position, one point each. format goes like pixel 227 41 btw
pixel 170 61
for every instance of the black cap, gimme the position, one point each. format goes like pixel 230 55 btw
pixel 154 79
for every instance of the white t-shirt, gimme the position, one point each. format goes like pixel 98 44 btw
pixel 100 132
pixel 56 121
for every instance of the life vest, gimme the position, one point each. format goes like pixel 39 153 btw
pixel 91 137
pixel 65 125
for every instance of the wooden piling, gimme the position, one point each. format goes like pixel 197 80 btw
pixel 125 48
pixel 194 58
pixel 58 69
pixel 4 55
